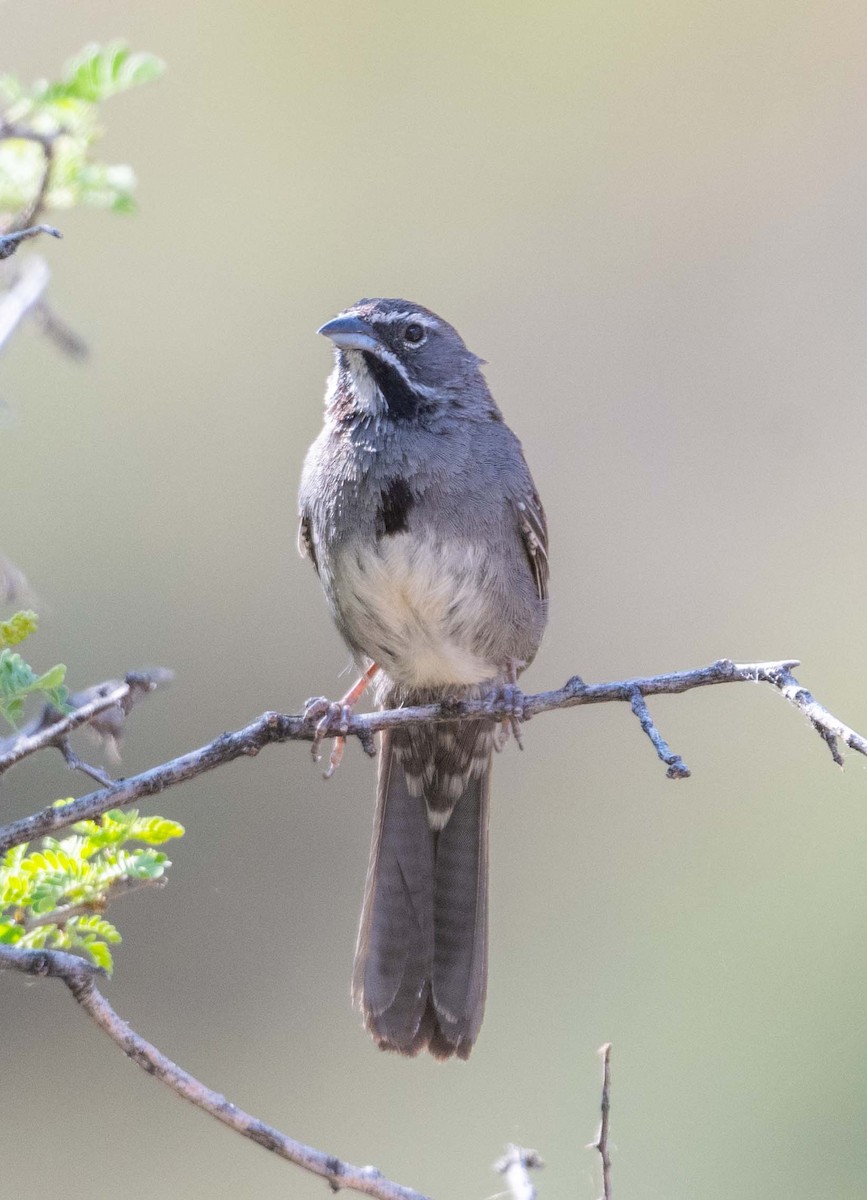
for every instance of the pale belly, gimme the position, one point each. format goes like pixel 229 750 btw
pixel 418 608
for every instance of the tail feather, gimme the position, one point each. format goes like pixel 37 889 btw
pixel 460 965
pixel 421 961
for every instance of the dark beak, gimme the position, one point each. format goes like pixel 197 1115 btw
pixel 350 333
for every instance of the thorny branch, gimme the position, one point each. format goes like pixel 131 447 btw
pixel 274 727
pixel 79 977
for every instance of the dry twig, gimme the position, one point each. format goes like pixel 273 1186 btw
pixel 274 727
pixel 9 242
pixel 79 977
pixel 103 708
pixel 601 1143
pixel 28 215
pixel 23 296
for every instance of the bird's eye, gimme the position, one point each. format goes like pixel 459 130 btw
pixel 414 334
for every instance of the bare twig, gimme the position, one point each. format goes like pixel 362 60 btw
pixel 10 242
pixel 274 727
pixel 22 296
pixel 516 1165
pixel 677 768
pixel 79 978
pixel 51 964
pixel 45 141
pixel 60 332
pixel 601 1143
pixel 52 734
pixel 78 764
pixel 94 708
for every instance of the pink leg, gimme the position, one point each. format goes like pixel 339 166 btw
pixel 342 710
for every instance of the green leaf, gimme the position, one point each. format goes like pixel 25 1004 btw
pixel 67 113
pixel 156 830
pixel 95 926
pixel 146 864
pixel 77 871
pixel 98 72
pixel 118 826
pixel 17 681
pixel 17 628
pixel 100 955
pixel 51 680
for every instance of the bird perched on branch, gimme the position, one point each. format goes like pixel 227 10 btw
pixel 424 525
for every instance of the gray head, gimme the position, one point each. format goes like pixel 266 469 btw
pixel 400 358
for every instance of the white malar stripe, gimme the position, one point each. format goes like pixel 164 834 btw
pixel 420 389
pixel 363 383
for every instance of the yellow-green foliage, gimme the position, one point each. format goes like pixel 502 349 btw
pixel 17 628
pixel 67 112
pixel 17 679
pixel 78 872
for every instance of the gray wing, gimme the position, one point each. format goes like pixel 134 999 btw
pixel 534 535
pixel 306 545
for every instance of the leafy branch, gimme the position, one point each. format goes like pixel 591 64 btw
pixel 54 896
pixel 18 680
pixel 50 129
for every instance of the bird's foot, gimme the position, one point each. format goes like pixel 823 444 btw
pixel 510 698
pixel 331 718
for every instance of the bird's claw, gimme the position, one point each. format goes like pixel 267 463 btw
pixel 332 718
pixel 511 698
pixel 329 718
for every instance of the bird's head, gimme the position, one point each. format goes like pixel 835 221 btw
pixel 400 358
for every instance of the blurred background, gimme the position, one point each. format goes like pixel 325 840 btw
pixel 650 219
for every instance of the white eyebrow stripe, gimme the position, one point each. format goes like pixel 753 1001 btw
pixel 392 318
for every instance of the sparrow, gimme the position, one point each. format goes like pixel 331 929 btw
pixel 422 520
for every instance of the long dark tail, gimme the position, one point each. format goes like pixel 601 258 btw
pixel 421 963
